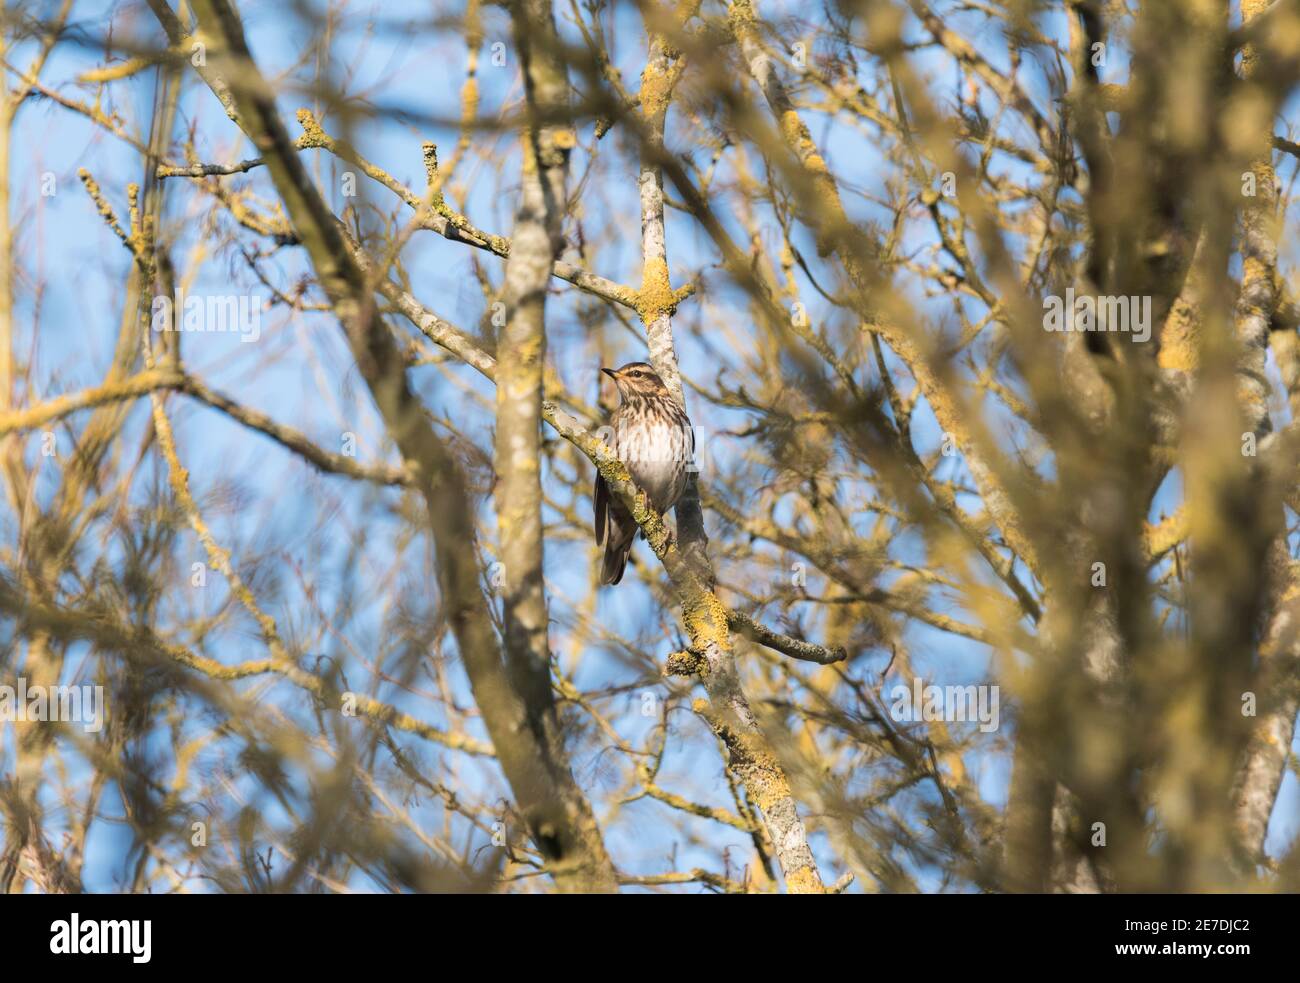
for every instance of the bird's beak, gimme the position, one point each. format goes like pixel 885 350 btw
pixel 611 373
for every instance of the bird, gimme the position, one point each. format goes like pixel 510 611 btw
pixel 653 437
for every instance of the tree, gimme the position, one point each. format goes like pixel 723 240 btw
pixel 985 577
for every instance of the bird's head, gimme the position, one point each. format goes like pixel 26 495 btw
pixel 637 380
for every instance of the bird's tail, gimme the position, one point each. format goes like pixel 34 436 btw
pixel 611 570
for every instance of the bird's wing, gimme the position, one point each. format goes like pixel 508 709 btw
pixel 601 496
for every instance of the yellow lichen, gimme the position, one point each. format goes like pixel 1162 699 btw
pixel 656 297
pixel 656 87
pixel 685 663
pixel 1178 340
pixel 311 130
pixel 804 880
pixel 469 100
pixel 816 164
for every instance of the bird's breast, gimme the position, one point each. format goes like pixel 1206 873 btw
pixel 656 452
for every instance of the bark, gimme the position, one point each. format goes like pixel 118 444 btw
pixel 536 243
pixel 1259 777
